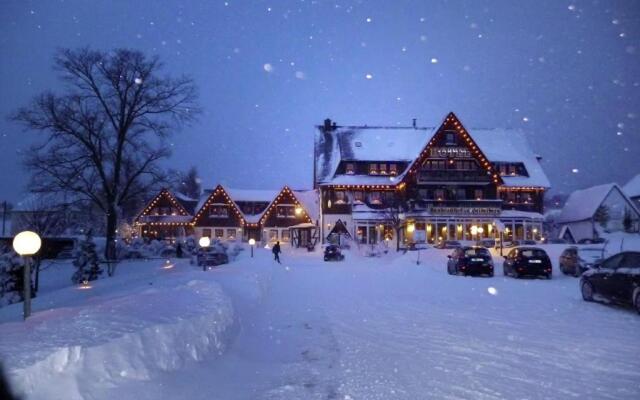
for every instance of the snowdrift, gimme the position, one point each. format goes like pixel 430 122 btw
pixel 61 352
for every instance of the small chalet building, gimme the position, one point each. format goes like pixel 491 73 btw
pixel 166 217
pixel 234 214
pixel 593 212
pixel 427 184
pixel 632 190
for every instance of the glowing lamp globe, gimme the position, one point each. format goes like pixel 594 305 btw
pixel 252 242
pixel 204 241
pixel 298 210
pixel 27 243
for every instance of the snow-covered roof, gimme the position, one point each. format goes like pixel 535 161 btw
pixel 511 145
pixel 252 194
pixel 582 204
pixel 404 144
pixel 166 218
pixel 309 199
pixel 632 188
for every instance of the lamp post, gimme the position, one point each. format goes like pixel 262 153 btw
pixel 204 242
pixel 26 244
pixel 252 242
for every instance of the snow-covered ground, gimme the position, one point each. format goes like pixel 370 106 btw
pixel 365 328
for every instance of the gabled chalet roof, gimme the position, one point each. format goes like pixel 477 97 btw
pixel 582 204
pixel 365 143
pixel 295 196
pixel 632 188
pixel 185 208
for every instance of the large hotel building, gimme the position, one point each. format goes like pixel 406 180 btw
pixel 392 185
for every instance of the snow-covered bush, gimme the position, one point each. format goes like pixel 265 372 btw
pixel 86 261
pixel 234 250
pixel 11 278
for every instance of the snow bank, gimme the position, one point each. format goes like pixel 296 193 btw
pixel 70 352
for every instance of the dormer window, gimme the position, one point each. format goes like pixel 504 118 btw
pixel 382 168
pixel 350 169
pixel 375 198
pixel 373 169
pixel 358 197
pixel 393 169
pixel 219 211
pixel 341 197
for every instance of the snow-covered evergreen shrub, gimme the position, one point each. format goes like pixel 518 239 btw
pixel 86 261
pixel 11 278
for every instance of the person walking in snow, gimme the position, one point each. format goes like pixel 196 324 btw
pixel 179 250
pixel 276 252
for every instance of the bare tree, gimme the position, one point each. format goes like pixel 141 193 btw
pixel 393 215
pixel 106 132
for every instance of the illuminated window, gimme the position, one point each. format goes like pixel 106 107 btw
pixel 350 169
pixel 219 233
pixel 285 236
pixel 373 169
pixel 218 211
pixel 439 194
pixel 393 169
pixel 382 168
pixel 231 234
pixel 358 197
pixel 285 211
pixel 341 197
pixel 478 194
pixel 375 198
pixel 273 235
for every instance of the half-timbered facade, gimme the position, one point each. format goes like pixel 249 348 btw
pixel 427 184
pixel 233 214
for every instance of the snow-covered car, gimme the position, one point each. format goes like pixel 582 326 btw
pixel 527 261
pixel 209 256
pixel 487 243
pixel 333 253
pixel 474 260
pixel 574 260
pixel 616 279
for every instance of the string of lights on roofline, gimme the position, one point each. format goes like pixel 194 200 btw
pixel 299 210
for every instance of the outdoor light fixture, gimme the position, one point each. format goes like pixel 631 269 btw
pixel 298 210
pixel 204 241
pixel 26 244
pixel 252 242
pixel 474 230
pixel 411 228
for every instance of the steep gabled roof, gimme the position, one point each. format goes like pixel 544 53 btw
pixel 184 215
pixel 632 188
pixel 206 199
pixel 407 144
pixel 582 204
pixel 285 191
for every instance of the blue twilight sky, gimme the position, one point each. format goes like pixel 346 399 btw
pixel 567 72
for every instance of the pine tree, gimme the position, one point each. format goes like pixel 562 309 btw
pixel 627 222
pixel 86 261
pixel 602 216
pixel 11 278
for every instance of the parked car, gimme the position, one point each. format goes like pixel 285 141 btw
pixel 516 243
pixel 448 244
pixel 616 279
pixel 211 256
pixel 591 241
pixel 574 260
pixel 333 253
pixel 487 243
pixel 474 260
pixel 527 261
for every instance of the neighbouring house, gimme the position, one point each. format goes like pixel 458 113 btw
pixel 415 184
pixel 233 214
pixel 632 189
pixel 593 212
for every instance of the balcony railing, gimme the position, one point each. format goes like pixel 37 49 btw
pixel 426 176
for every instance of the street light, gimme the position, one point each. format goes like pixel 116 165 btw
pixel 252 242
pixel 26 244
pixel 204 241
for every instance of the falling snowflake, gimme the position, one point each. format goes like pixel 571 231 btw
pixel 492 291
pixel 369 19
pixel 268 67
pixel 575 170
pixel 525 119
pixel 138 81
pixel 300 75
pixel 434 60
pixel 572 7
pixel 368 76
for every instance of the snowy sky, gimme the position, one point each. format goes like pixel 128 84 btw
pixel 567 72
